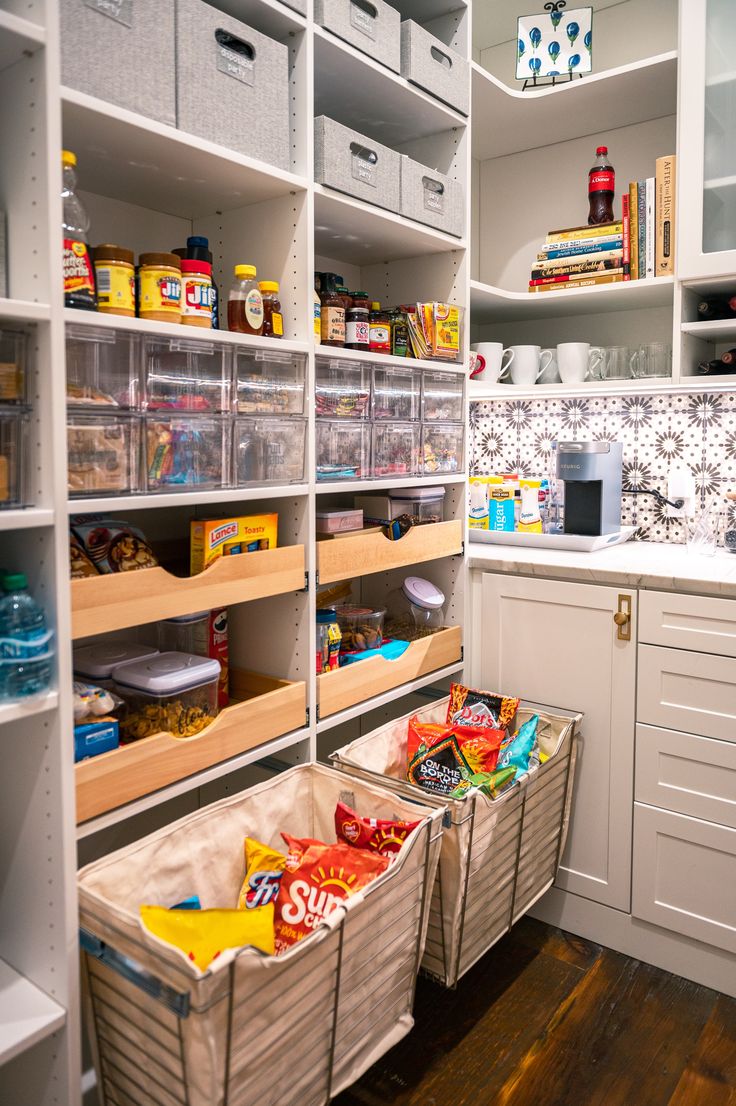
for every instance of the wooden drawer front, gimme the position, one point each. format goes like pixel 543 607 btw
pixel 684 876
pixel 686 774
pixel 688 622
pixel 345 558
pixel 692 692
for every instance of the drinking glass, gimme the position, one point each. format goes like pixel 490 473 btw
pixel 616 364
pixel 652 360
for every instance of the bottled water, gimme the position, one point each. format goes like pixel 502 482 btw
pixel 25 642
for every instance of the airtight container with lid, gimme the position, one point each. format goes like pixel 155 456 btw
pixel 172 693
pixel 422 504
pixel 415 609
pixel 187 633
pixel 97 661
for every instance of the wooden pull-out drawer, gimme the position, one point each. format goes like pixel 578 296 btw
pixel 686 774
pixel 691 692
pixel 684 876
pixel 705 625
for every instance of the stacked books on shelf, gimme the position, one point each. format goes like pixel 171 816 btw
pixel 649 222
pixel 579 257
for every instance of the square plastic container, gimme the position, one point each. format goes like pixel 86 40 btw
pixel 343 389
pixel 269 382
pixel 269 451
pixel 442 448
pixel 13 366
pixel 442 397
pixel 343 450
pixel 396 448
pixel 14 432
pixel 187 451
pixel 102 454
pixel 396 393
pixel 360 166
pixel 423 505
pixel 102 368
pixel 98 661
pixel 374 28
pixel 186 375
pixel 172 693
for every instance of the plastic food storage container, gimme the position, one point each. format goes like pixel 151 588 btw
pixel 14 431
pixel 102 454
pixel 187 452
pixel 343 389
pixel 183 374
pixel 424 505
pixel 13 366
pixel 270 451
pixel 172 693
pixel 442 448
pixel 343 450
pixel 442 397
pixel 396 394
pixel 269 383
pixel 361 627
pixel 102 368
pixel 96 662
pixel 415 609
pixel 395 448
pixel 183 634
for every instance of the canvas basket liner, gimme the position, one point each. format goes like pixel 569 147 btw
pixel 289 1030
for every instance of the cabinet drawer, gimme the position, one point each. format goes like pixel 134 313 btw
pixel 693 692
pixel 684 876
pixel 686 774
pixel 688 622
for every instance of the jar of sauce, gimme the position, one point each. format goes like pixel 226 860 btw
pixel 357 323
pixel 380 329
pixel 332 319
pixel 273 320
pixel 115 277
pixel 159 280
pixel 197 295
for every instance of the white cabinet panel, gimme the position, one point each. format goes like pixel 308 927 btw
pixel 686 774
pixel 705 625
pixel 692 692
pixel 685 876
pixel 556 643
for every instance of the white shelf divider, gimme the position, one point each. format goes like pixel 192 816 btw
pixel 16 710
pixel 210 497
pixel 27 1015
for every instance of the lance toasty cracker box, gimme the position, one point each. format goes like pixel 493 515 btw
pixel 226 537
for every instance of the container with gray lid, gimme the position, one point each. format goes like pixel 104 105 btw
pixel 168 674
pixel 356 164
pixel 370 25
pixel 428 63
pixel 174 693
pixel 97 660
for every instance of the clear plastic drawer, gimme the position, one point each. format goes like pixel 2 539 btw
pixel 343 389
pixel 14 434
pixel 185 452
pixel 102 368
pixel 442 447
pixel 396 448
pixel 102 454
pixel 270 451
pixel 442 397
pixel 183 374
pixel 13 366
pixel 343 450
pixel 396 393
pixel 269 382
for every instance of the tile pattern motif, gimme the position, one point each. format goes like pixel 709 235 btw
pixel 698 430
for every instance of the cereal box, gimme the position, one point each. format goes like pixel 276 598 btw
pixel 225 537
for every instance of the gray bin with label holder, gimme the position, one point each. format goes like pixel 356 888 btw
pixel 428 63
pixel 296 5
pixel 232 84
pixel 122 51
pixel 431 197
pixel 369 25
pixel 353 163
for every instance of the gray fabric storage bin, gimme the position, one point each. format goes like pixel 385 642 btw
pixel 431 197
pixel 232 84
pixel 127 58
pixel 352 20
pixel 296 5
pixel 428 63
pixel 352 163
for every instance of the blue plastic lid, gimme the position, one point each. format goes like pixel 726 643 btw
pixel 326 615
pixel 198 240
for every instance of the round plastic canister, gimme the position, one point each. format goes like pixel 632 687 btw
pixel 187 633
pixel 415 608
pixel 159 287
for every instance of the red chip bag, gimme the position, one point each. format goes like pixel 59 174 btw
pixel 480 746
pixel 424 733
pixel 318 877
pixel 380 835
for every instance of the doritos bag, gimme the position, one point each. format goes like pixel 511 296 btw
pixel 204 934
pixel 470 707
pixel 379 835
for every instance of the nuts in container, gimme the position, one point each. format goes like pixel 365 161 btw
pixel 361 628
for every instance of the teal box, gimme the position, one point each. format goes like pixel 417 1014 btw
pixel 500 510
pixel 93 738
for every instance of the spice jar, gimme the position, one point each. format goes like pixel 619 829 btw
pixel 333 319
pixel 273 320
pixel 196 299
pixel 380 330
pixel 115 277
pixel 357 323
pixel 159 281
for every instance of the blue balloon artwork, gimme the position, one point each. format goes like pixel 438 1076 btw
pixel 554 51
pixel 573 30
pixel 535 37
pixel 588 40
pixel 555 17
pixel 521 47
pixel 535 64
pixel 573 61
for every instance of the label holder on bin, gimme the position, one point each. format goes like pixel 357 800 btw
pixel 175 1001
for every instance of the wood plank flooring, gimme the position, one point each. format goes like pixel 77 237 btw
pixel 548 1019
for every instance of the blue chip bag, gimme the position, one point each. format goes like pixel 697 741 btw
pixel 516 753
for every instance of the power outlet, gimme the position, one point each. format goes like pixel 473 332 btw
pixel 681 485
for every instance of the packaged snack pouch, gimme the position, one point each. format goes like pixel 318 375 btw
pixel 518 750
pixel 204 934
pixel 469 706
pixel 491 784
pixel 439 769
pixel 424 733
pixel 317 878
pixel 264 868
pixel 480 746
pixel 380 835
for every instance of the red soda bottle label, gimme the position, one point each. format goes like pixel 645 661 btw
pixel 602 180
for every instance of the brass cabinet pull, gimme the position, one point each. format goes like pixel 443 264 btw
pixel 622 618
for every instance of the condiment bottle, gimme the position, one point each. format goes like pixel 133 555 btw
pixel 273 320
pixel 198 249
pixel 333 319
pixel 79 275
pixel 357 323
pixel 380 330
pixel 196 293
pixel 115 278
pixel 245 303
pixel 159 284
pixel 399 333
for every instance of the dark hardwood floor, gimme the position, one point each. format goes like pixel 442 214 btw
pixel 547 1019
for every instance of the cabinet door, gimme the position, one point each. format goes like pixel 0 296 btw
pixel 707 140
pixel 556 643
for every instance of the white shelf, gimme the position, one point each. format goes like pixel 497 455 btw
pixel 18 37
pixel 27 1014
pixel 386 360
pixel 489 304
pixel 356 90
pixel 27 518
pixel 360 234
pixel 272 17
pixel 481 392
pixel 326 487
pixel 423 10
pixel 507 120
pixel 24 311
pixel 27 708
pixel 129 157
pixel 719 184
pixel 387 697
pixel 712 330
pixel 183 499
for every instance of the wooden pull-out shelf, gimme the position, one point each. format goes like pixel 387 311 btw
pixel 265 708
pixel 112 602
pixel 344 558
pixel 356 682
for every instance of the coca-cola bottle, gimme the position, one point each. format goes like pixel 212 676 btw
pixel 601 188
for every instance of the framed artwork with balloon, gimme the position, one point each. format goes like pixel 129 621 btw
pixel 554 45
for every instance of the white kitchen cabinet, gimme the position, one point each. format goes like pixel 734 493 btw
pixel 556 643
pixel 694 692
pixel 687 774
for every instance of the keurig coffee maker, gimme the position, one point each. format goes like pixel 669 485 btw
pixel 592 475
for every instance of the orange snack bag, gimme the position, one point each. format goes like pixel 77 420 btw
pixel 380 835
pixel 480 746
pixel 424 733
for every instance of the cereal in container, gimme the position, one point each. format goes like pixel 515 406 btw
pixel 172 693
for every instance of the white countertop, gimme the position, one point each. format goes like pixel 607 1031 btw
pixel 634 564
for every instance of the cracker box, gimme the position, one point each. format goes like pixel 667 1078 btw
pixel 225 537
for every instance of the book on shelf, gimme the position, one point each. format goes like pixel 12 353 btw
pixel 597 230
pixel 577 246
pixel 564 283
pixel 633 230
pixel 665 185
pixel 651 229
pixel 580 258
pixel 626 252
pixel 641 206
pixel 584 267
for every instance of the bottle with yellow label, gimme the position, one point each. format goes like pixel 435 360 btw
pixel 79 275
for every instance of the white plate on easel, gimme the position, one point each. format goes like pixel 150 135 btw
pixel 579 543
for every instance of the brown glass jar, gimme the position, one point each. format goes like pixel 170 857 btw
pixel 333 319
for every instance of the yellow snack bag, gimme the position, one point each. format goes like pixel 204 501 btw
pixel 204 934
pixel 263 870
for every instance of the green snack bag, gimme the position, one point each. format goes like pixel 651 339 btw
pixel 491 784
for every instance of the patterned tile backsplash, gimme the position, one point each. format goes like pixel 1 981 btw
pixel 698 430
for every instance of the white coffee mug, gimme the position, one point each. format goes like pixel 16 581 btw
pixel 577 361
pixel 529 362
pixel 492 361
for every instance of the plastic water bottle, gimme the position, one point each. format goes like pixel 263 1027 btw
pixel 25 642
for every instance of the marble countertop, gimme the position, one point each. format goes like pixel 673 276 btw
pixel 634 564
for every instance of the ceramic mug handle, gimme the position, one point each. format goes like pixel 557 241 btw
pixel 506 368
pixel 543 368
pixel 480 364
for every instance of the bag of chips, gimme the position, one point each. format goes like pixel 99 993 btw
pixel 440 768
pixel 264 868
pixel 518 750
pixel 470 707
pixel 424 733
pixel 491 784
pixel 479 744
pixel 204 934
pixel 380 835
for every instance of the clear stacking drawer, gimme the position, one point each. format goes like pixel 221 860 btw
pixel 102 368
pixel 269 451
pixel 442 448
pixel 13 366
pixel 269 382
pixel 14 431
pixel 183 374
pixel 102 454
pixel 343 389
pixel 442 397
pixel 396 448
pixel 396 393
pixel 187 451
pixel 343 450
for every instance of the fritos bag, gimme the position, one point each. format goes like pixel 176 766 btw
pixel 379 835
pixel 264 868
pixel 470 707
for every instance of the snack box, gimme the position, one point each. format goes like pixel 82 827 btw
pixel 99 735
pixel 225 537
pixel 333 522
